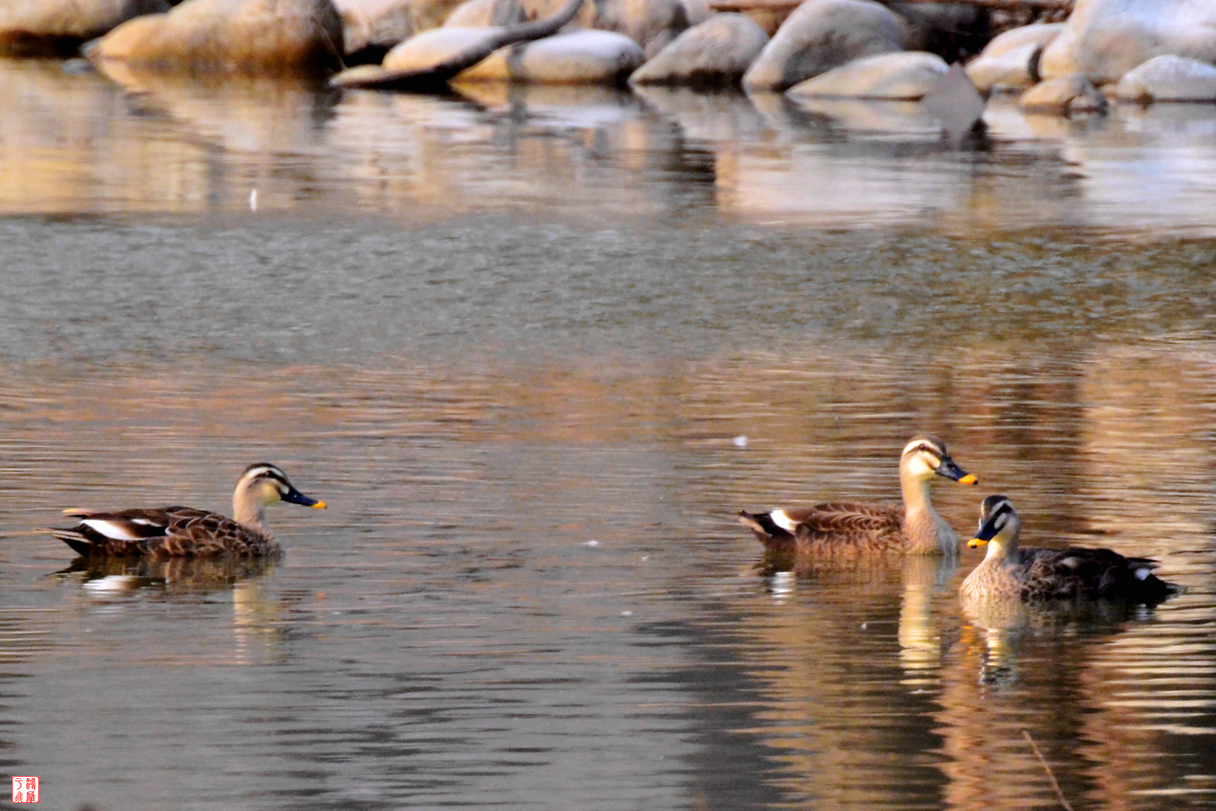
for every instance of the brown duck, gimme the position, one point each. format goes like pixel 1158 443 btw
pixel 853 529
pixel 1010 571
pixel 184 531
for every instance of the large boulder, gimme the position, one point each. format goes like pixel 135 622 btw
pixel 697 11
pixel 430 14
pixel 1169 78
pixel 652 24
pixel 713 54
pixel 1010 61
pixel 950 30
pixel 1104 39
pixel 821 35
pixel 435 46
pixel 59 26
pixel 1063 95
pixel 904 76
pixel 574 57
pixel 375 26
pixel 485 13
pixel 249 36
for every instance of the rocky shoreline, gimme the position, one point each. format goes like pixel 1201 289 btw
pixel 1136 51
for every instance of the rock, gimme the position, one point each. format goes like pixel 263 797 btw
pixel 950 30
pixel 428 62
pixel 697 11
pixel 652 24
pixel 435 46
pixel 1006 62
pixel 906 75
pixel 715 53
pixel 33 27
pixel 539 9
pixel 821 35
pixel 375 26
pixel 1063 95
pixel 956 102
pixel 485 13
pixel 575 57
pixel 1169 78
pixel 248 36
pixel 1104 39
pixel 428 14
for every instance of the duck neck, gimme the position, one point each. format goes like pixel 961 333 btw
pixel 250 512
pixel 1004 550
pixel 927 530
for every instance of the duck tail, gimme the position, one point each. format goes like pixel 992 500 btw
pixel 1150 588
pixel 80 544
pixel 768 532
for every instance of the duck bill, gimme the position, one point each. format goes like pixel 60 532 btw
pixel 296 497
pixel 983 535
pixel 952 471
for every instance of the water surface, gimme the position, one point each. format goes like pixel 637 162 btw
pixel 535 350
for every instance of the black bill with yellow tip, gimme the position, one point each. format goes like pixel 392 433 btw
pixel 952 471
pixel 296 497
pixel 987 531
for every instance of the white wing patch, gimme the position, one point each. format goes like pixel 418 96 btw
pixel 116 530
pixel 782 520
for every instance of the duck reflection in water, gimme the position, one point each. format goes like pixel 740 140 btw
pixel 172 576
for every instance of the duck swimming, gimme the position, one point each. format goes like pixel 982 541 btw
pixel 184 531
pixel 856 529
pixel 1010 571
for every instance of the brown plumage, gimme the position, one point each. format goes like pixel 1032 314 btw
pixel 177 531
pixel 1013 572
pixel 856 529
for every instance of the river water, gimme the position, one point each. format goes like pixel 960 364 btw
pixel 535 349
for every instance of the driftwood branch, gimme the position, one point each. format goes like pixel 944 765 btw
pixel 435 77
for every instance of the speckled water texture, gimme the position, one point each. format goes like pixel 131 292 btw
pixel 535 351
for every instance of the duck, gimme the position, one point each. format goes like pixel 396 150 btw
pixel 1013 572
pixel 859 529
pixel 180 532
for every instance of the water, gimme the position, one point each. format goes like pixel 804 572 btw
pixel 516 342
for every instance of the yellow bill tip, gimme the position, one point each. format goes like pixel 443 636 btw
pixel 974 542
pixel 968 479
pixel 320 505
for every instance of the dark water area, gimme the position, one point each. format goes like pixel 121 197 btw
pixel 535 349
